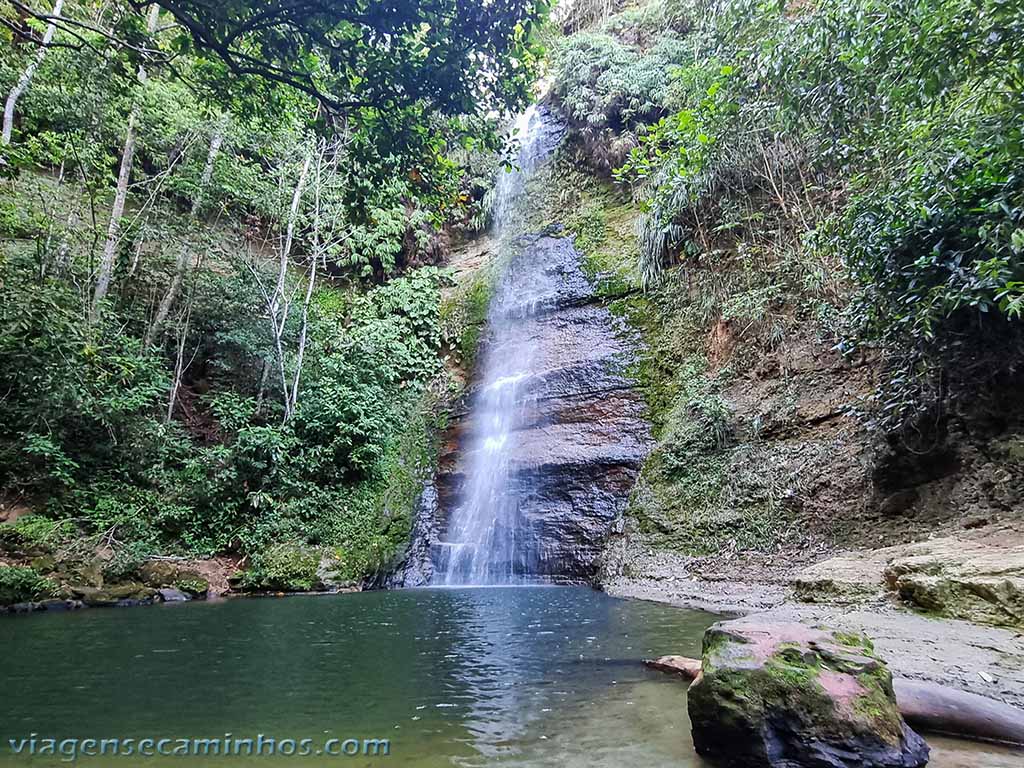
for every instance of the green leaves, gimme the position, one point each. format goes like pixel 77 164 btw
pixel 20 584
pixel 1011 300
pixel 926 264
pixel 680 146
pixel 381 56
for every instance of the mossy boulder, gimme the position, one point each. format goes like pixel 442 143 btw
pixel 167 574
pixel 131 593
pixel 158 573
pixel 788 696
pixel 44 564
pixel 192 584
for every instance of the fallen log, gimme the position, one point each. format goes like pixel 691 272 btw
pixel 679 665
pixel 952 712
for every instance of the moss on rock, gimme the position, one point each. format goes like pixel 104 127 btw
pixel 787 695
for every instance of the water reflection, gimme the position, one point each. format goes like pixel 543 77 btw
pixel 544 676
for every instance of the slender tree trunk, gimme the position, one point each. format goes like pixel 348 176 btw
pixel 317 189
pixel 262 391
pixel 26 76
pixel 179 366
pixel 289 237
pixel 279 352
pixel 181 265
pixel 117 212
pixel 279 304
pixel 216 140
pixel 303 331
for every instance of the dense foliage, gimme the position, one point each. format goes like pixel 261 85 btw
pixel 881 137
pixel 220 326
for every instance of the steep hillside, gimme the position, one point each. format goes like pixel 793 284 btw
pixel 826 269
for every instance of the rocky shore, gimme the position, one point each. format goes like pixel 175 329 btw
pixel 958 626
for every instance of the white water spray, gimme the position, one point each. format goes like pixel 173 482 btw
pixel 485 542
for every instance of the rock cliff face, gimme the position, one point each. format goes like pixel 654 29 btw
pixel 579 441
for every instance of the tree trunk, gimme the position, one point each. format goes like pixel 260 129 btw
pixel 181 265
pixel 26 76
pixel 279 305
pixel 117 212
pixel 179 366
pixel 219 130
pixel 289 236
pixel 303 332
pixel 261 392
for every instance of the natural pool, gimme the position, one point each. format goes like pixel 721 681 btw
pixel 517 676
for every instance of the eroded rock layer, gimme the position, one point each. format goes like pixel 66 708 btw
pixel 579 440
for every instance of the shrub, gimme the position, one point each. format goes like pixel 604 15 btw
pixel 20 584
pixel 837 119
pixel 610 82
pixel 283 567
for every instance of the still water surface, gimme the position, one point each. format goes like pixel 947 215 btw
pixel 516 676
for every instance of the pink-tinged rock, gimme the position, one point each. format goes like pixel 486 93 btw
pixel 789 696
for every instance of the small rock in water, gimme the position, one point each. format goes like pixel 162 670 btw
pixel 170 595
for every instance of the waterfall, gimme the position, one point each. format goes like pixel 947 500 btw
pixel 483 544
pixel 535 474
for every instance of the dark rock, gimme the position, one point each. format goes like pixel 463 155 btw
pixel 897 503
pixel 579 442
pixel 43 605
pixel 415 567
pixel 787 696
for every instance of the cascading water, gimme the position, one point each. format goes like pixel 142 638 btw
pixel 535 475
pixel 481 545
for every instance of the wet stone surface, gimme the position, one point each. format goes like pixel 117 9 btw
pixel 579 434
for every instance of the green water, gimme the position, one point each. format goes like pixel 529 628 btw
pixel 450 677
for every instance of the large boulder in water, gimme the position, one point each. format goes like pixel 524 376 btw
pixel 788 696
